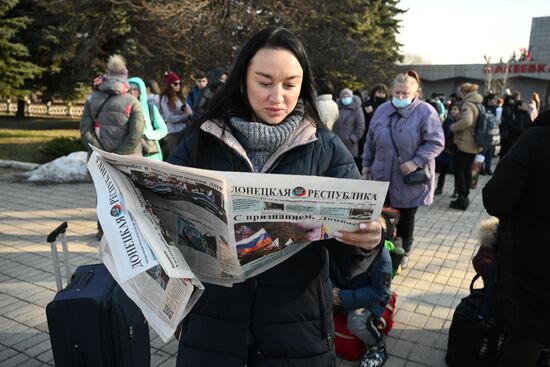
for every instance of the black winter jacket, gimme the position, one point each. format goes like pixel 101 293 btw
pixel 518 195
pixel 282 317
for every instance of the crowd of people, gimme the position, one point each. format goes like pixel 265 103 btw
pixel 269 114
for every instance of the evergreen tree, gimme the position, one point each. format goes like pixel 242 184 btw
pixel 15 68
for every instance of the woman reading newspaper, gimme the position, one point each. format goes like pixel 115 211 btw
pixel 264 120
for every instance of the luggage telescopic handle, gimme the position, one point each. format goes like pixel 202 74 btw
pixel 52 240
pixel 56 232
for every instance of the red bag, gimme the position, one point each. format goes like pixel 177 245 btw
pixel 386 320
pixel 347 346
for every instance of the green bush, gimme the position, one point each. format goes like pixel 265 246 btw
pixel 59 147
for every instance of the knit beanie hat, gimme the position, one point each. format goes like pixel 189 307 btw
pixel 346 92
pixel 170 77
pixel 116 66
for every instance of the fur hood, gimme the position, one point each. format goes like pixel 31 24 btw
pixel 488 232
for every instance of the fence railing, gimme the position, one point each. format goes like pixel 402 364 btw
pixel 43 109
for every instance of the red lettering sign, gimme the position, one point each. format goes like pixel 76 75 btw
pixel 520 68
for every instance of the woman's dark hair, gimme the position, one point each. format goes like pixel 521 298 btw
pixel 379 88
pixel 324 86
pixel 231 99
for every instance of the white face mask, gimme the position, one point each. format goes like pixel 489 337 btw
pixel 401 103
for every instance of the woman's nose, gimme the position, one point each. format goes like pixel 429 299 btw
pixel 276 94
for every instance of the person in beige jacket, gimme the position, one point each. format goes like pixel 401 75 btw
pixel 463 131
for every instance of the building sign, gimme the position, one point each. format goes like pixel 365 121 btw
pixel 517 68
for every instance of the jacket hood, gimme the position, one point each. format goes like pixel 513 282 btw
pixel 214 75
pixel 488 232
pixel 142 95
pixel 473 97
pixel 113 86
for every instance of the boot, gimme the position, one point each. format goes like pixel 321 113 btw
pixel 461 203
pixel 438 191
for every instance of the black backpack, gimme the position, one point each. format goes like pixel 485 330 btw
pixel 487 133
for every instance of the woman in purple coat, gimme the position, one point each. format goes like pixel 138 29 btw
pixel 418 137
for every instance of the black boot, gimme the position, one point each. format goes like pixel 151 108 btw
pixel 461 203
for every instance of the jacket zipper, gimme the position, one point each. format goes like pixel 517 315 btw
pixel 324 328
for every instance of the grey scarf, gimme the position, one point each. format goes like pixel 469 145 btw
pixel 260 140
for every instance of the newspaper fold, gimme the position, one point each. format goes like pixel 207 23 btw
pixel 192 225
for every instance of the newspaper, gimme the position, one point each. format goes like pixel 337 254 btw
pixel 211 226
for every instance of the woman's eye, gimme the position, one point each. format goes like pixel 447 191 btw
pixel 264 84
pixel 289 86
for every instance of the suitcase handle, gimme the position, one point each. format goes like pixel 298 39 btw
pixel 56 232
pixel 81 281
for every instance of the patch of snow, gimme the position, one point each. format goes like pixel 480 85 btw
pixel 69 168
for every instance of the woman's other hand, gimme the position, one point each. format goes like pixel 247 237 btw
pixel 367 237
pixel 408 167
pixel 365 174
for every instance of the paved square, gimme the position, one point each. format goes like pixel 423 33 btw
pixel 438 276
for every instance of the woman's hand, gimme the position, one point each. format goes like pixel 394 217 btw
pixel 336 296
pixel 408 167
pixel 365 174
pixel 367 237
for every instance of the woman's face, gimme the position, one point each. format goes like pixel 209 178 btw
pixel 454 112
pixel 380 94
pixel 176 86
pixel 273 84
pixel 134 90
pixel 404 90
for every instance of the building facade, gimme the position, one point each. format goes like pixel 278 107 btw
pixel 531 73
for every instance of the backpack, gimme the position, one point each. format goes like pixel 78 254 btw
pixel 486 133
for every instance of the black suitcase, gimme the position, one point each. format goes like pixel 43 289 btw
pixel 92 322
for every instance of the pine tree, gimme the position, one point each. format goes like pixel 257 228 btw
pixel 15 70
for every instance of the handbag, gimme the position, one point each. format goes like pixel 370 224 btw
pixel 475 335
pixel 148 146
pixel 420 176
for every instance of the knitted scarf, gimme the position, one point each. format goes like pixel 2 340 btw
pixel 261 140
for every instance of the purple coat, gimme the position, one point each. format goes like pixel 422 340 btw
pixel 419 137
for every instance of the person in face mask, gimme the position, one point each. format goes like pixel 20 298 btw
pixel 379 95
pixel 418 136
pixel 350 125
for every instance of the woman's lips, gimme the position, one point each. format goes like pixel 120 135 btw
pixel 275 111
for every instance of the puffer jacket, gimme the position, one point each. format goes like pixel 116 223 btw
pixel 282 317
pixel 516 194
pixel 350 125
pixel 463 129
pixel 121 120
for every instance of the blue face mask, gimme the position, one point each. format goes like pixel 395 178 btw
pixel 346 101
pixel 401 103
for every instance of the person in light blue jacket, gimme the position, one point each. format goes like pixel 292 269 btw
pixel 418 137
pixel 155 129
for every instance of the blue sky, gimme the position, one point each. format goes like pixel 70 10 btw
pixel 462 31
